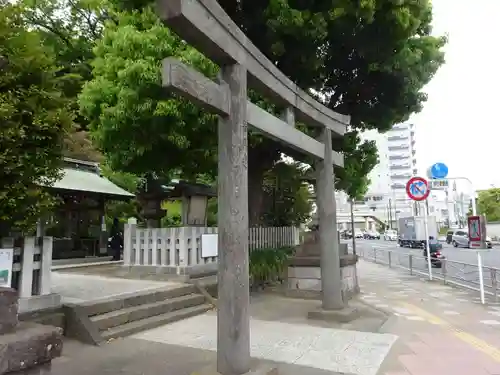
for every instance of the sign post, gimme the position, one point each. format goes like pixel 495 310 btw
pixel 477 241
pixel 6 260
pixel 418 189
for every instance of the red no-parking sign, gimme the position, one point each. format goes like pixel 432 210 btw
pixel 417 188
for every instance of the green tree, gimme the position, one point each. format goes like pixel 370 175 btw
pixel 488 204
pixel 368 59
pixel 288 201
pixel 70 28
pixel 34 117
pixel 137 129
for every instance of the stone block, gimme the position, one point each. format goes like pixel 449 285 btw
pixel 304 272
pixel 345 315
pixel 256 369
pixel 8 310
pixel 28 346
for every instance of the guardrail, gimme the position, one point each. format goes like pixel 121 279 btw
pixel 460 274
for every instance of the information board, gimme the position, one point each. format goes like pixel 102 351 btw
pixel 6 260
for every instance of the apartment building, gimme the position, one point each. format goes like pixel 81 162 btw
pixel 386 197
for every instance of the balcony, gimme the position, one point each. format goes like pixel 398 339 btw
pixel 405 176
pixel 399 157
pixel 397 138
pixel 400 166
pixel 415 171
pixel 398 148
pixel 400 127
pixel 397 186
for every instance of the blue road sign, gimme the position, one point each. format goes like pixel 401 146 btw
pixel 417 188
pixel 439 170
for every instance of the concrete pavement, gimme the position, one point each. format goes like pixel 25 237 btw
pixel 433 329
pixel 440 332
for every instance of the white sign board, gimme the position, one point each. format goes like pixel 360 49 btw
pixel 439 184
pixel 209 245
pixel 6 260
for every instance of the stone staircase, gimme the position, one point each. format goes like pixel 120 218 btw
pixel 95 322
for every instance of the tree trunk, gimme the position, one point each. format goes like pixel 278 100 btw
pixel 260 159
pixel 255 195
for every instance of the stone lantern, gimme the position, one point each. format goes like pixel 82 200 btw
pixel 194 198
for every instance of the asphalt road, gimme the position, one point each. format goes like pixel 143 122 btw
pixel 461 266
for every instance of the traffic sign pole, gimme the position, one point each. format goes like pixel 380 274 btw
pixel 427 246
pixel 418 189
pixel 481 282
pixel 477 240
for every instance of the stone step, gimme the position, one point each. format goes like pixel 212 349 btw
pixel 93 308
pixel 130 314
pixel 154 321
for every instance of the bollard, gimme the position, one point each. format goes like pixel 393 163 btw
pixel 443 270
pixel 389 253
pixel 494 283
pixel 375 255
pixel 410 263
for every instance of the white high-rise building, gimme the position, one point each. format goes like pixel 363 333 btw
pixel 397 164
pixel 386 197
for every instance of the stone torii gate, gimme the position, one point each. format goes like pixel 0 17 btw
pixel 205 25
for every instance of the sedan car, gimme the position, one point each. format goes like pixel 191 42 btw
pixel 372 235
pixel 390 235
pixel 460 238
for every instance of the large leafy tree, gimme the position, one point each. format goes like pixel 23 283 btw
pixel 33 118
pixel 137 128
pixel 70 28
pixel 369 59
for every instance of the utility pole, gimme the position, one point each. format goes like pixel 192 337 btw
pixel 390 213
pixel 395 214
pixel 352 226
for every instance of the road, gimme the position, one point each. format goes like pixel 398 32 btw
pixel 461 266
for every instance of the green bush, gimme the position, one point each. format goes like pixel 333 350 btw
pixel 443 231
pixel 267 265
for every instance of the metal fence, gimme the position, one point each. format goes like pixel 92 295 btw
pixel 460 274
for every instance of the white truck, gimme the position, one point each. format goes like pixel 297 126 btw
pixel 412 231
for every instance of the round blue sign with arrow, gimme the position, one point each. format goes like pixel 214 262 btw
pixel 439 170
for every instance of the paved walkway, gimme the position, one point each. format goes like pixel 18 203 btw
pixel 442 330
pixel 434 330
pixel 75 288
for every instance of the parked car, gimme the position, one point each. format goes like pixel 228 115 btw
pixel 460 238
pixel 372 235
pixel 358 233
pixel 435 251
pixel 390 235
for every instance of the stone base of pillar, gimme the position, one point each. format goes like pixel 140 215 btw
pixel 345 315
pixel 257 369
pixel 37 303
pixel 25 346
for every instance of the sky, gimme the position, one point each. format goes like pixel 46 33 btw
pixel 459 123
